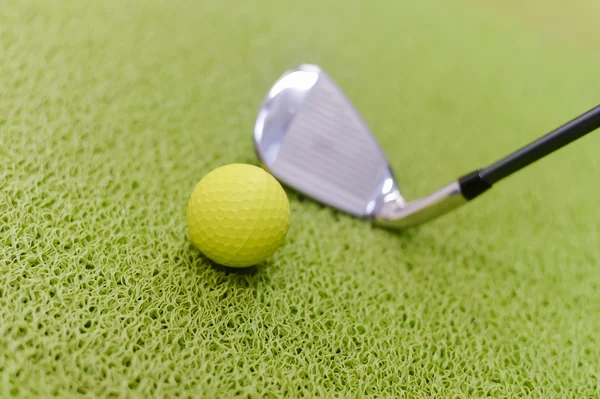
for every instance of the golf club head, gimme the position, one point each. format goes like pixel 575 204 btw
pixel 311 138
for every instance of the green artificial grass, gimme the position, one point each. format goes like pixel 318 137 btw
pixel 110 112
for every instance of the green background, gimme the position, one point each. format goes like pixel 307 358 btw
pixel 110 112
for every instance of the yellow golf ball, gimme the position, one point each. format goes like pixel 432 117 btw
pixel 238 215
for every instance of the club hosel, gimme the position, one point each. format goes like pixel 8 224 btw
pixel 399 215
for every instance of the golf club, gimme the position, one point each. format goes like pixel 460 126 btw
pixel 311 138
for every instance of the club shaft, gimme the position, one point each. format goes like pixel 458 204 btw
pixel 558 138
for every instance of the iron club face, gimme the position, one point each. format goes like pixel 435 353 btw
pixel 310 137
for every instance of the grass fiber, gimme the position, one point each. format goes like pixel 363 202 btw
pixel 110 112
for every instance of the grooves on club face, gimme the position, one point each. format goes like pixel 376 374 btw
pixel 311 138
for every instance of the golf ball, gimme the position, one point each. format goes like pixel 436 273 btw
pixel 238 215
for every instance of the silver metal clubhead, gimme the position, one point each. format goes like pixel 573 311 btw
pixel 311 138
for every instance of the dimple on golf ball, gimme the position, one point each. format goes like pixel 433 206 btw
pixel 238 215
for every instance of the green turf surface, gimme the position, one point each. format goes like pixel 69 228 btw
pixel 110 112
